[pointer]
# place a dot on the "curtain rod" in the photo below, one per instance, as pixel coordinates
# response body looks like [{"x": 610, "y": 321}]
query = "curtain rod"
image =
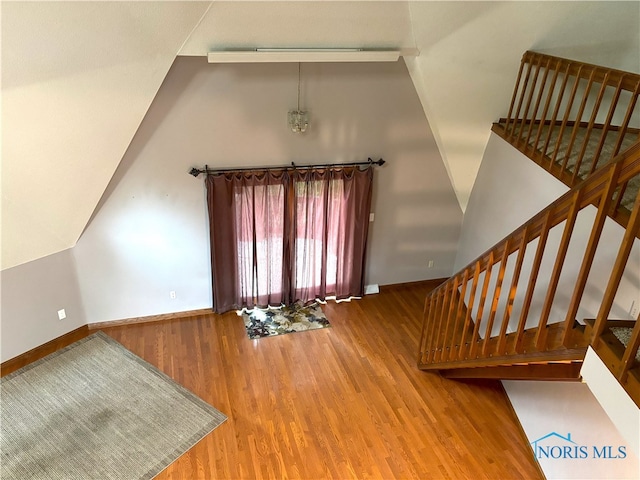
[{"x": 195, "y": 171}]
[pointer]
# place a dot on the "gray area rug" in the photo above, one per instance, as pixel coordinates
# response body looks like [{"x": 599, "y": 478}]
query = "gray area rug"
[{"x": 96, "y": 410}]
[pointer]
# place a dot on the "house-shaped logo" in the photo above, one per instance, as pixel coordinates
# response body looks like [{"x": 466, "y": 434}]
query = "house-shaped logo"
[{"x": 553, "y": 434}]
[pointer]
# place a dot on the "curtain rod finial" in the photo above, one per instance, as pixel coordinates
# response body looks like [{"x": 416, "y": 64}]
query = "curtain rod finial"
[
  {"x": 381, "y": 162},
  {"x": 194, "y": 171}
]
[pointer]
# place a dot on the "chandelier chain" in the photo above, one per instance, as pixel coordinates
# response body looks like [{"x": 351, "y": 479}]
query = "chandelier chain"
[
  {"x": 298, "y": 86},
  {"x": 297, "y": 119}
]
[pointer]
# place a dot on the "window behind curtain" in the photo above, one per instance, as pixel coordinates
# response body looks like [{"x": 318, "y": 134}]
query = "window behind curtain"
[
  {"x": 259, "y": 221},
  {"x": 280, "y": 237}
]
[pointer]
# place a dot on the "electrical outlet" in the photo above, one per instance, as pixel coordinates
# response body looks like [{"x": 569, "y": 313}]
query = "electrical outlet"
[
  {"x": 430, "y": 264},
  {"x": 633, "y": 311},
  {"x": 62, "y": 314},
  {"x": 172, "y": 294}
]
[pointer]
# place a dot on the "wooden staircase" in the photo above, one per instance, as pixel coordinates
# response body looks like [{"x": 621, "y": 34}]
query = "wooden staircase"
[
  {"x": 567, "y": 370},
  {"x": 571, "y": 118},
  {"x": 503, "y": 315}
]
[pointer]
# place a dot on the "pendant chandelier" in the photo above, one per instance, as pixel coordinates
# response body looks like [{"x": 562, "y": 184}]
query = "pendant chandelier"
[{"x": 298, "y": 119}]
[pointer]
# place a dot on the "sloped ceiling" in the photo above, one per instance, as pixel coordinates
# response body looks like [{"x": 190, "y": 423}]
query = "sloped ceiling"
[
  {"x": 78, "y": 77},
  {"x": 302, "y": 24},
  {"x": 77, "y": 80},
  {"x": 470, "y": 54}
]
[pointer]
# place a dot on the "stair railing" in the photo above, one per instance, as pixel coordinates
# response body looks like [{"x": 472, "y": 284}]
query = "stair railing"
[
  {"x": 572, "y": 117},
  {"x": 483, "y": 315}
]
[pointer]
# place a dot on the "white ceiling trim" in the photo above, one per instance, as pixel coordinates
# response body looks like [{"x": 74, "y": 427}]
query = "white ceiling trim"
[{"x": 299, "y": 55}]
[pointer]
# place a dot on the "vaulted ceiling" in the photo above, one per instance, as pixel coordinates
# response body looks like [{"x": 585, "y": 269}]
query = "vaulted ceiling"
[{"x": 78, "y": 78}]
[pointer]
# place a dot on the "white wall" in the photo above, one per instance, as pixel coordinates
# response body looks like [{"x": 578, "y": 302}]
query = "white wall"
[
  {"x": 509, "y": 190},
  {"x": 149, "y": 235},
  {"x": 604, "y": 386},
  {"x": 570, "y": 408},
  {"x": 32, "y": 294}
]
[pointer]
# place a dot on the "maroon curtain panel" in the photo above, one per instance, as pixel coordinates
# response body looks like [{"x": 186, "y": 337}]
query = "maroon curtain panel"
[{"x": 278, "y": 237}]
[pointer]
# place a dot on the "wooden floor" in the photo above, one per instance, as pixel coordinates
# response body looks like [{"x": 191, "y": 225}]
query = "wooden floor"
[{"x": 342, "y": 402}]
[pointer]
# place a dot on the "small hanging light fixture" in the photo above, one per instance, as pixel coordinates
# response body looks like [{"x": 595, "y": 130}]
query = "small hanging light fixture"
[{"x": 298, "y": 119}]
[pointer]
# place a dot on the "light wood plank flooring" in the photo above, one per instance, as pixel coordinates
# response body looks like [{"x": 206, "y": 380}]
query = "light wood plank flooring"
[{"x": 342, "y": 402}]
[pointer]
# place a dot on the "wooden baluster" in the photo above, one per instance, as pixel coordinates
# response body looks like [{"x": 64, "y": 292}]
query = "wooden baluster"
[
  {"x": 522, "y": 95},
  {"x": 592, "y": 121},
  {"x": 525, "y": 114},
  {"x": 462, "y": 354},
  {"x": 565, "y": 118},
  {"x": 453, "y": 303},
  {"x": 428, "y": 322},
  {"x": 483, "y": 297},
  {"x": 541, "y": 334},
  {"x": 630, "y": 352},
  {"x": 533, "y": 278},
  {"x": 630, "y": 234},
  {"x": 556, "y": 110},
  {"x": 522, "y": 247},
  {"x": 618, "y": 202},
  {"x": 423, "y": 331},
  {"x": 607, "y": 125},
  {"x": 515, "y": 93},
  {"x": 543, "y": 120},
  {"x": 627, "y": 119},
  {"x": 459, "y": 309},
  {"x": 604, "y": 205},
  {"x": 446, "y": 304},
  {"x": 576, "y": 126},
  {"x": 543, "y": 85},
  {"x": 496, "y": 297},
  {"x": 433, "y": 327}
]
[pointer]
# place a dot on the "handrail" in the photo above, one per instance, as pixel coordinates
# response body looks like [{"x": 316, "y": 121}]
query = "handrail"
[
  {"x": 470, "y": 320},
  {"x": 572, "y": 117}
]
